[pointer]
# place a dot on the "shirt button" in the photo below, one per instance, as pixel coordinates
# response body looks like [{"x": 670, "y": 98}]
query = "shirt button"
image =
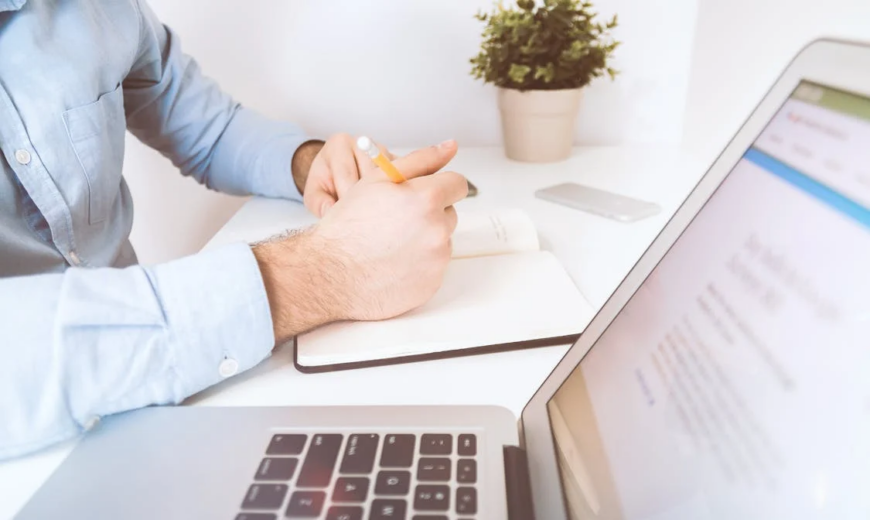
[
  {"x": 22, "y": 156},
  {"x": 228, "y": 367},
  {"x": 92, "y": 422},
  {"x": 74, "y": 258}
]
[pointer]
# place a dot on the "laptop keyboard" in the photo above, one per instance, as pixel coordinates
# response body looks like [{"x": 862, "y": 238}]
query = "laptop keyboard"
[{"x": 365, "y": 476}]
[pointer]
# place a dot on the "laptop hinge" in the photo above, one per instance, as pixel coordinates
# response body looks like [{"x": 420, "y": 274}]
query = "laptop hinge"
[{"x": 518, "y": 485}]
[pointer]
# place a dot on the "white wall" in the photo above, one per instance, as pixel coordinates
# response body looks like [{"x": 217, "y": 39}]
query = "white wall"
[
  {"x": 394, "y": 69},
  {"x": 742, "y": 46}
]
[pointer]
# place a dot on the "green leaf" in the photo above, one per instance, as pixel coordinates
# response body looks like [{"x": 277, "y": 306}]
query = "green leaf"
[
  {"x": 518, "y": 73},
  {"x": 526, "y": 5},
  {"x": 546, "y": 73}
]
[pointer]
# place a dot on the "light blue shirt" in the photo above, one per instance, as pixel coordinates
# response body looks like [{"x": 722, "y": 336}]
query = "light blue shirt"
[{"x": 84, "y": 331}]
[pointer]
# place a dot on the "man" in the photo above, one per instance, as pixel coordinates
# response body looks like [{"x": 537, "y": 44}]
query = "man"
[{"x": 84, "y": 331}]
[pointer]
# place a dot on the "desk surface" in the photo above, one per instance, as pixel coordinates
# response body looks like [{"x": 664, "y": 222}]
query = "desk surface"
[{"x": 597, "y": 253}]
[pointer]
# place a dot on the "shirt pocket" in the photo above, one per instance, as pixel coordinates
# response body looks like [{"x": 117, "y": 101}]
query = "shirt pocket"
[{"x": 96, "y": 131}]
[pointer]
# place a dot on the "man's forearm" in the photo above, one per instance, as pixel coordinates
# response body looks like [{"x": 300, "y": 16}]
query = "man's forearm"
[
  {"x": 172, "y": 107},
  {"x": 159, "y": 333},
  {"x": 302, "y": 159}
]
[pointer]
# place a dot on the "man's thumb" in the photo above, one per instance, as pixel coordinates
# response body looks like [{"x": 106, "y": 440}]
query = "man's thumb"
[{"x": 426, "y": 161}]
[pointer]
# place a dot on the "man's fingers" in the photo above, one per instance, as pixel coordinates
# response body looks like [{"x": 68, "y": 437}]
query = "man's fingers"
[
  {"x": 344, "y": 169},
  {"x": 318, "y": 201},
  {"x": 446, "y": 188},
  {"x": 452, "y": 218},
  {"x": 426, "y": 161}
]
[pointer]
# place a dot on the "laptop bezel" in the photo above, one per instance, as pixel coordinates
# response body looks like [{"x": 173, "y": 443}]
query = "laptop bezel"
[{"x": 829, "y": 62}]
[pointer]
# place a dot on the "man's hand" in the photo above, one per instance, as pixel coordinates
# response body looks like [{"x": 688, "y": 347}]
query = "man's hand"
[
  {"x": 324, "y": 172},
  {"x": 381, "y": 251}
]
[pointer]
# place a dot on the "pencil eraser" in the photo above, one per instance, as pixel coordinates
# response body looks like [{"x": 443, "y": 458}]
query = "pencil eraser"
[{"x": 364, "y": 143}]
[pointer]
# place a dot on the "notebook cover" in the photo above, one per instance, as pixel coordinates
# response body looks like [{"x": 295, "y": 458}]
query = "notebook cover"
[{"x": 486, "y": 349}]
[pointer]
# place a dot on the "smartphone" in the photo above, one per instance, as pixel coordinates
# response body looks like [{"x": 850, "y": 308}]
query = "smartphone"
[{"x": 599, "y": 202}]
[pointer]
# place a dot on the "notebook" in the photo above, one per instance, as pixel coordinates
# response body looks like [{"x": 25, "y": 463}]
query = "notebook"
[{"x": 500, "y": 292}]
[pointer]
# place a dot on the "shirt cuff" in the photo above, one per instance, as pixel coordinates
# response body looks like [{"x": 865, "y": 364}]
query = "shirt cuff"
[
  {"x": 256, "y": 152},
  {"x": 223, "y": 329}
]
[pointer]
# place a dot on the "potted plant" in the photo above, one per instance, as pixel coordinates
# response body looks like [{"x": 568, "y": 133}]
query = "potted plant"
[{"x": 540, "y": 58}]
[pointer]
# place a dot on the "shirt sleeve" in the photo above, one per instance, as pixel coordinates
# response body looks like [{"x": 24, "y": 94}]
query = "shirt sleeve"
[
  {"x": 172, "y": 107},
  {"x": 93, "y": 342}
]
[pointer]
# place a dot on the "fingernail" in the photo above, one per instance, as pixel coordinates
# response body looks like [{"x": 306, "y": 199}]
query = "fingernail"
[{"x": 447, "y": 144}]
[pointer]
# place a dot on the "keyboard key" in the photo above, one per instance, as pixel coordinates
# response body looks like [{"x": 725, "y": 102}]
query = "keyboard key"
[
  {"x": 393, "y": 483},
  {"x": 265, "y": 496},
  {"x": 276, "y": 468},
  {"x": 320, "y": 460},
  {"x": 359, "y": 455},
  {"x": 432, "y": 498},
  {"x": 467, "y": 445},
  {"x": 305, "y": 504},
  {"x": 398, "y": 451},
  {"x": 349, "y": 489},
  {"x": 256, "y": 516},
  {"x": 466, "y": 500},
  {"x": 466, "y": 471},
  {"x": 430, "y": 517},
  {"x": 433, "y": 469},
  {"x": 344, "y": 513},
  {"x": 287, "y": 444},
  {"x": 388, "y": 510},
  {"x": 436, "y": 444}
]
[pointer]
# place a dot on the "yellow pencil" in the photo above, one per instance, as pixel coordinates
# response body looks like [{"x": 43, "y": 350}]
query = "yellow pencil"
[{"x": 366, "y": 145}]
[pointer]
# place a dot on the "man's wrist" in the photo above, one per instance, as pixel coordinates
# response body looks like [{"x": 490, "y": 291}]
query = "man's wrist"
[
  {"x": 303, "y": 283},
  {"x": 300, "y": 165}
]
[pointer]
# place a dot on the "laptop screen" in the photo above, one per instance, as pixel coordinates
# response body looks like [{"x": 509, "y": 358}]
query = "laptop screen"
[{"x": 736, "y": 381}]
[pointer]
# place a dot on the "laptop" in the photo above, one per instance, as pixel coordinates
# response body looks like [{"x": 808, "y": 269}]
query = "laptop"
[{"x": 727, "y": 377}]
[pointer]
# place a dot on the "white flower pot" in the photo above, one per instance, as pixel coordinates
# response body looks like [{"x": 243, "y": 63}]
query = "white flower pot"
[{"x": 538, "y": 125}]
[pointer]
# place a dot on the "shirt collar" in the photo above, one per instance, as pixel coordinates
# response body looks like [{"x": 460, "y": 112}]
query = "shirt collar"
[{"x": 11, "y": 5}]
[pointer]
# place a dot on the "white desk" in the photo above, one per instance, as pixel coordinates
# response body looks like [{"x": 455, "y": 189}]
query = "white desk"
[{"x": 597, "y": 252}]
